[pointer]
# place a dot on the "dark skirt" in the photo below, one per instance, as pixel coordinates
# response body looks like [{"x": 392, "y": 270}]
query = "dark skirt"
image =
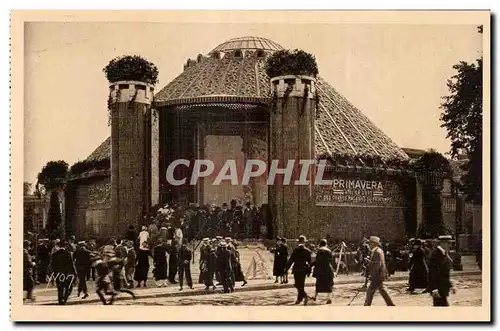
[
  {"x": 418, "y": 276},
  {"x": 279, "y": 267},
  {"x": 238, "y": 273},
  {"x": 324, "y": 284},
  {"x": 142, "y": 268},
  {"x": 160, "y": 271}
]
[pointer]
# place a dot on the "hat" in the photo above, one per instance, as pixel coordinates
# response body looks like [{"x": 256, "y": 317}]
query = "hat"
[
  {"x": 81, "y": 242},
  {"x": 411, "y": 239},
  {"x": 302, "y": 239},
  {"x": 228, "y": 239},
  {"x": 223, "y": 244},
  {"x": 219, "y": 237},
  {"x": 445, "y": 238},
  {"x": 206, "y": 239},
  {"x": 374, "y": 240}
]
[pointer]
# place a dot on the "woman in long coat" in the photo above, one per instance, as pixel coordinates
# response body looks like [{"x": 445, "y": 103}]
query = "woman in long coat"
[
  {"x": 160, "y": 262},
  {"x": 418, "y": 268},
  {"x": 280, "y": 260},
  {"x": 323, "y": 271},
  {"x": 142, "y": 267}
]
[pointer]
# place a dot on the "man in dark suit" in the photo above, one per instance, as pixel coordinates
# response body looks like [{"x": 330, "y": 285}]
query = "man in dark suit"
[
  {"x": 64, "y": 272},
  {"x": 82, "y": 265},
  {"x": 301, "y": 261},
  {"x": 185, "y": 256},
  {"x": 440, "y": 264},
  {"x": 377, "y": 271}
]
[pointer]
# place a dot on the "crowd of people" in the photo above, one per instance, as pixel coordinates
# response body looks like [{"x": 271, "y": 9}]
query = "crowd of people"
[
  {"x": 228, "y": 220},
  {"x": 429, "y": 268},
  {"x": 120, "y": 265}
]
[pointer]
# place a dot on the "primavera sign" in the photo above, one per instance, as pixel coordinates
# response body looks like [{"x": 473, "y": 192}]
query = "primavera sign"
[{"x": 359, "y": 192}]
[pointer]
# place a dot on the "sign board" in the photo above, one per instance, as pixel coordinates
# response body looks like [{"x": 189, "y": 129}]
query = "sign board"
[{"x": 360, "y": 193}]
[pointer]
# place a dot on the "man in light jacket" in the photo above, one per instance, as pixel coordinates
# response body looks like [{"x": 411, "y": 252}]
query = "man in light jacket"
[{"x": 377, "y": 273}]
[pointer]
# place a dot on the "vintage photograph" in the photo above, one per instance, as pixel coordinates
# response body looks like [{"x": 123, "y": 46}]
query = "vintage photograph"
[{"x": 281, "y": 160}]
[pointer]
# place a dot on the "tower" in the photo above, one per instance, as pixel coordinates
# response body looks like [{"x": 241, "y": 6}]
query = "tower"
[
  {"x": 131, "y": 123},
  {"x": 292, "y": 139}
]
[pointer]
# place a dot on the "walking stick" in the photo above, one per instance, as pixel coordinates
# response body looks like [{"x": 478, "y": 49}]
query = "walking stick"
[{"x": 354, "y": 297}]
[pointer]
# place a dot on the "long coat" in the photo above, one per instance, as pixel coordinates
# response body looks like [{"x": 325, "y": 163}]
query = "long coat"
[
  {"x": 301, "y": 260},
  {"x": 440, "y": 265},
  {"x": 280, "y": 260},
  {"x": 323, "y": 270},
  {"x": 142, "y": 267},
  {"x": 160, "y": 261},
  {"x": 418, "y": 269}
]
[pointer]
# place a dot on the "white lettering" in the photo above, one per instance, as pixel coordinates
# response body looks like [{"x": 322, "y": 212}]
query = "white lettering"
[
  {"x": 170, "y": 172},
  {"x": 248, "y": 173},
  {"x": 232, "y": 176},
  {"x": 286, "y": 171},
  {"x": 319, "y": 174},
  {"x": 306, "y": 165},
  {"x": 197, "y": 173}
]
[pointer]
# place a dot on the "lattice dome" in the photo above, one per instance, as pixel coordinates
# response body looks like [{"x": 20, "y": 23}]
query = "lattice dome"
[{"x": 234, "y": 72}]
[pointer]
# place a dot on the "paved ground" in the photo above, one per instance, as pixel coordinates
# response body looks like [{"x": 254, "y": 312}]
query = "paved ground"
[
  {"x": 47, "y": 294},
  {"x": 468, "y": 294}
]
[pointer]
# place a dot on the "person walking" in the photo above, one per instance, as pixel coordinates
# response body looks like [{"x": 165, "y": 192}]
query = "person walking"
[
  {"x": 130, "y": 264},
  {"x": 142, "y": 267},
  {"x": 185, "y": 256},
  {"x": 323, "y": 271},
  {"x": 64, "y": 271},
  {"x": 82, "y": 265},
  {"x": 440, "y": 264},
  {"x": 377, "y": 273},
  {"x": 280, "y": 260},
  {"x": 28, "y": 264},
  {"x": 418, "y": 268},
  {"x": 160, "y": 263},
  {"x": 301, "y": 261}
]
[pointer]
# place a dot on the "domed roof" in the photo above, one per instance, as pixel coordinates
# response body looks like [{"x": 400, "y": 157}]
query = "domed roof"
[
  {"x": 244, "y": 43},
  {"x": 234, "y": 72}
]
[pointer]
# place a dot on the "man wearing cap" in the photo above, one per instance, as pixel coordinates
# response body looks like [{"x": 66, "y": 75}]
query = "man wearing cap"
[
  {"x": 82, "y": 265},
  {"x": 377, "y": 273},
  {"x": 43, "y": 260},
  {"x": 185, "y": 256},
  {"x": 204, "y": 257},
  {"x": 440, "y": 264},
  {"x": 224, "y": 266},
  {"x": 301, "y": 261}
]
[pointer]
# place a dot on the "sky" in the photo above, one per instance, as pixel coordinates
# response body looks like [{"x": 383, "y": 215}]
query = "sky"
[{"x": 394, "y": 73}]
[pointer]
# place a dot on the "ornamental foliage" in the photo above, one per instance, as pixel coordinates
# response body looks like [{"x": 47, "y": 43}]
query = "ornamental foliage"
[
  {"x": 463, "y": 119},
  {"x": 84, "y": 166},
  {"x": 291, "y": 62},
  {"x": 53, "y": 175},
  {"x": 131, "y": 67},
  {"x": 431, "y": 170}
]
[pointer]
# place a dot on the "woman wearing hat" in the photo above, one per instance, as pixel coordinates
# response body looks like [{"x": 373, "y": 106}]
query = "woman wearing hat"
[
  {"x": 323, "y": 271},
  {"x": 440, "y": 264},
  {"x": 280, "y": 260},
  {"x": 418, "y": 267},
  {"x": 142, "y": 267}
]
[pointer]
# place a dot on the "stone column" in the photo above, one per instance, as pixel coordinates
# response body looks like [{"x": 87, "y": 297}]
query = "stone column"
[
  {"x": 292, "y": 138},
  {"x": 130, "y": 191}
]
